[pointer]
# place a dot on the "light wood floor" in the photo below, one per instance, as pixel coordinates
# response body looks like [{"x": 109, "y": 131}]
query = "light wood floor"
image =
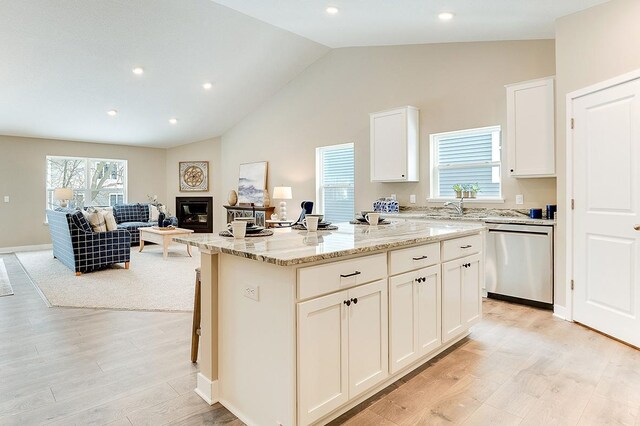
[{"x": 519, "y": 366}]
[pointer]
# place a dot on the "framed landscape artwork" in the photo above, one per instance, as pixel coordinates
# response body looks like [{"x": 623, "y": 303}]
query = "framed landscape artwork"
[
  {"x": 194, "y": 176},
  {"x": 252, "y": 183}
]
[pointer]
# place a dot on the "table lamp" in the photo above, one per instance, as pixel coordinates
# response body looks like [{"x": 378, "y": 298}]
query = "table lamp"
[
  {"x": 282, "y": 193},
  {"x": 63, "y": 195}
]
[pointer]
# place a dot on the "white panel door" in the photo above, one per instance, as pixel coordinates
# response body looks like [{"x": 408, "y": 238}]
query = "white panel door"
[
  {"x": 452, "y": 323},
  {"x": 403, "y": 320},
  {"x": 606, "y": 189},
  {"x": 428, "y": 301},
  {"x": 322, "y": 356},
  {"x": 389, "y": 146},
  {"x": 368, "y": 337},
  {"x": 471, "y": 297}
]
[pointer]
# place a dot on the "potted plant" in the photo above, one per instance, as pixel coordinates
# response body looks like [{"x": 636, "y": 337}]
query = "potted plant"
[
  {"x": 458, "y": 190},
  {"x": 466, "y": 190},
  {"x": 474, "y": 188}
]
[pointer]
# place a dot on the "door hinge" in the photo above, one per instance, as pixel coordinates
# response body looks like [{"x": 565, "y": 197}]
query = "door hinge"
[
  {"x": 573, "y": 123},
  {"x": 571, "y": 284},
  {"x": 573, "y": 204}
]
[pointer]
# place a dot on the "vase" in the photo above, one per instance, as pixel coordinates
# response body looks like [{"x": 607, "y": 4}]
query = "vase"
[
  {"x": 166, "y": 223},
  {"x": 232, "y": 199},
  {"x": 458, "y": 194},
  {"x": 161, "y": 217}
]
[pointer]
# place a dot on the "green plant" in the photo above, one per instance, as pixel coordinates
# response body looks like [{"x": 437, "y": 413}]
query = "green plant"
[
  {"x": 458, "y": 188},
  {"x": 474, "y": 187},
  {"x": 466, "y": 187}
]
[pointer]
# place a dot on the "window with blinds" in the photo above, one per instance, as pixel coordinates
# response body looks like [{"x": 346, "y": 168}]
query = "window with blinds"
[
  {"x": 335, "y": 177},
  {"x": 466, "y": 157}
]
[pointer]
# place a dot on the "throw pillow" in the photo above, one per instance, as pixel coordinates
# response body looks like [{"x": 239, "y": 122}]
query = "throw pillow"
[
  {"x": 96, "y": 220},
  {"x": 109, "y": 219},
  {"x": 153, "y": 213}
]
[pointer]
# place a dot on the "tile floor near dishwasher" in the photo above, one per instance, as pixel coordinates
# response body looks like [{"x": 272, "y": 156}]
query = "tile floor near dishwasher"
[{"x": 88, "y": 366}]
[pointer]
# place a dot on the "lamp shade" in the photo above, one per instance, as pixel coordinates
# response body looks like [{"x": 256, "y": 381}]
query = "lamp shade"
[
  {"x": 63, "y": 193},
  {"x": 282, "y": 193}
]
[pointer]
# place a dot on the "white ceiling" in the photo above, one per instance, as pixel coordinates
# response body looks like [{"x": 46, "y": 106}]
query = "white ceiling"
[
  {"x": 389, "y": 22},
  {"x": 64, "y": 63}
]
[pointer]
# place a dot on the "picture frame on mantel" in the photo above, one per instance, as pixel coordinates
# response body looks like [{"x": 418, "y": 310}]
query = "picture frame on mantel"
[
  {"x": 252, "y": 183},
  {"x": 193, "y": 176}
]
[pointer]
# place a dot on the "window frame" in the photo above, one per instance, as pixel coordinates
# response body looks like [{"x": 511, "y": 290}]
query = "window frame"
[
  {"x": 434, "y": 167},
  {"x": 86, "y": 191},
  {"x": 320, "y": 175}
]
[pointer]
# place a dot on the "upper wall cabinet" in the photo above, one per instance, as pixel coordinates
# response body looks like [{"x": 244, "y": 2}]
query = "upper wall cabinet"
[
  {"x": 530, "y": 129},
  {"x": 394, "y": 145}
]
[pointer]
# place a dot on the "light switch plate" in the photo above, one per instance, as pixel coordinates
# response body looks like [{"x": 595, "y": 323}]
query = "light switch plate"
[
  {"x": 519, "y": 199},
  {"x": 6, "y": 198},
  {"x": 412, "y": 198}
]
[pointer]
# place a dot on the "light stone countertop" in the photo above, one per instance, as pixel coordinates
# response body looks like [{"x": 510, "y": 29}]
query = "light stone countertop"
[
  {"x": 471, "y": 215},
  {"x": 288, "y": 247}
]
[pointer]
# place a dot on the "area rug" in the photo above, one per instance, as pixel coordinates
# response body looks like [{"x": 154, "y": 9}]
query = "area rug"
[
  {"x": 151, "y": 282},
  {"x": 5, "y": 285}
]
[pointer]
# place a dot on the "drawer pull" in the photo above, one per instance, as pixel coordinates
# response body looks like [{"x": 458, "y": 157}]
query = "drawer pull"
[
  {"x": 354, "y": 300},
  {"x": 420, "y": 257},
  {"x": 466, "y": 247},
  {"x": 347, "y": 302},
  {"x": 350, "y": 275}
]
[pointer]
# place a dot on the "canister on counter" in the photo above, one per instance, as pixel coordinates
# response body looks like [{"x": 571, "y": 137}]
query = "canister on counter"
[
  {"x": 551, "y": 210},
  {"x": 535, "y": 213}
]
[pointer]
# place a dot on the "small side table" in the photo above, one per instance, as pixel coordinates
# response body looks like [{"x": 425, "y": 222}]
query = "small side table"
[{"x": 278, "y": 223}]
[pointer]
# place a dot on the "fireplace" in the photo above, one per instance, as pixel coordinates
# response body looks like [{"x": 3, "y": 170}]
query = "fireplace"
[{"x": 195, "y": 213}]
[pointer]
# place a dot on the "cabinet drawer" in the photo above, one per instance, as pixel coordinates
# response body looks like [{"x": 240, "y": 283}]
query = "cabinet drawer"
[
  {"x": 453, "y": 249},
  {"x": 411, "y": 258},
  {"x": 330, "y": 277}
]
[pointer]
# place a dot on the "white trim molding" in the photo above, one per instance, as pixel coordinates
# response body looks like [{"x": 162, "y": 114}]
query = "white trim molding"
[
  {"x": 5, "y": 250},
  {"x": 207, "y": 389},
  {"x": 560, "y": 312}
]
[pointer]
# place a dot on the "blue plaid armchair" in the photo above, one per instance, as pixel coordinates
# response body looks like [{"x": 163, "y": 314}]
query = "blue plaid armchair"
[{"x": 82, "y": 250}]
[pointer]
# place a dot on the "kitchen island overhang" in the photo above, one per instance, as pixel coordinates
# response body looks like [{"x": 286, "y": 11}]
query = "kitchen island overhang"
[{"x": 299, "y": 327}]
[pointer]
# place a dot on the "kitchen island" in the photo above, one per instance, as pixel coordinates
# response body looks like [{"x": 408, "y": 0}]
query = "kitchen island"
[{"x": 298, "y": 327}]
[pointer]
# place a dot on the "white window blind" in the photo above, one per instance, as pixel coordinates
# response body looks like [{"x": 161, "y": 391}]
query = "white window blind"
[
  {"x": 335, "y": 182},
  {"x": 95, "y": 181},
  {"x": 466, "y": 157}
]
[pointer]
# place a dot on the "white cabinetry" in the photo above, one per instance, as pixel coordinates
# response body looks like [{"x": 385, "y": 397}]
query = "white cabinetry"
[
  {"x": 343, "y": 347},
  {"x": 530, "y": 128},
  {"x": 414, "y": 328},
  {"x": 395, "y": 145},
  {"x": 461, "y": 299}
]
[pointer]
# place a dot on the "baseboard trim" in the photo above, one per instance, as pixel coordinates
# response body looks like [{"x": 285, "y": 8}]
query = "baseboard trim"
[
  {"x": 239, "y": 414},
  {"x": 560, "y": 312},
  {"x": 5, "y": 250},
  {"x": 207, "y": 389}
]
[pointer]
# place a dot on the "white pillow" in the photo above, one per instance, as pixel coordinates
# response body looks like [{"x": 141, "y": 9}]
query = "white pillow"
[
  {"x": 95, "y": 219},
  {"x": 153, "y": 213},
  {"x": 109, "y": 219}
]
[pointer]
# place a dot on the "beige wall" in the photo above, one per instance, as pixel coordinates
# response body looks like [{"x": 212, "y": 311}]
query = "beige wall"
[
  {"x": 591, "y": 46},
  {"x": 207, "y": 150},
  {"x": 23, "y": 179},
  {"x": 456, "y": 86}
]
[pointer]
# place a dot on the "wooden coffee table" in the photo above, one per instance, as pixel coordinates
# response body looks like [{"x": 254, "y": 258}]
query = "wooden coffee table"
[{"x": 163, "y": 237}]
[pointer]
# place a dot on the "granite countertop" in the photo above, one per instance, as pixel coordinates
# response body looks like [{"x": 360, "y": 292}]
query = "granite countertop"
[
  {"x": 513, "y": 216},
  {"x": 288, "y": 247}
]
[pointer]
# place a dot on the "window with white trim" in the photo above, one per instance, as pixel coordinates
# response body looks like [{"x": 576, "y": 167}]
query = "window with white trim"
[
  {"x": 95, "y": 181},
  {"x": 335, "y": 177},
  {"x": 466, "y": 157}
]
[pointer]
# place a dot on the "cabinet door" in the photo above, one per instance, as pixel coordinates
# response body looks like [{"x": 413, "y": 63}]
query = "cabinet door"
[
  {"x": 530, "y": 128},
  {"x": 452, "y": 324},
  {"x": 389, "y": 146},
  {"x": 322, "y": 356},
  {"x": 368, "y": 337},
  {"x": 403, "y": 320},
  {"x": 471, "y": 293},
  {"x": 428, "y": 302}
]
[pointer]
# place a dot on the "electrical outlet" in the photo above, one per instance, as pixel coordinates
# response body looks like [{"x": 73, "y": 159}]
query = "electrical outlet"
[
  {"x": 393, "y": 197},
  {"x": 6, "y": 198},
  {"x": 519, "y": 199},
  {"x": 252, "y": 292},
  {"x": 412, "y": 198}
]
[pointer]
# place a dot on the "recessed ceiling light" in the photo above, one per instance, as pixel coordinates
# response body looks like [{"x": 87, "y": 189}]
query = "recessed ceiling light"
[
  {"x": 332, "y": 10},
  {"x": 207, "y": 86},
  {"x": 112, "y": 112},
  {"x": 173, "y": 121},
  {"x": 445, "y": 16},
  {"x": 138, "y": 70}
]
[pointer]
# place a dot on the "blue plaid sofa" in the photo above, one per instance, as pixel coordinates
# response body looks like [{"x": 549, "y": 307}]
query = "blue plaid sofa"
[
  {"x": 82, "y": 250},
  {"x": 134, "y": 216}
]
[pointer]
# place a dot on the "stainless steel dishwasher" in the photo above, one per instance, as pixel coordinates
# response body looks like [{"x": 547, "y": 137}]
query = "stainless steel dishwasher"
[{"x": 519, "y": 263}]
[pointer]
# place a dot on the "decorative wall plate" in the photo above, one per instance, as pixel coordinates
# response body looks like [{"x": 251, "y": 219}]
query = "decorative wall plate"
[{"x": 194, "y": 176}]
